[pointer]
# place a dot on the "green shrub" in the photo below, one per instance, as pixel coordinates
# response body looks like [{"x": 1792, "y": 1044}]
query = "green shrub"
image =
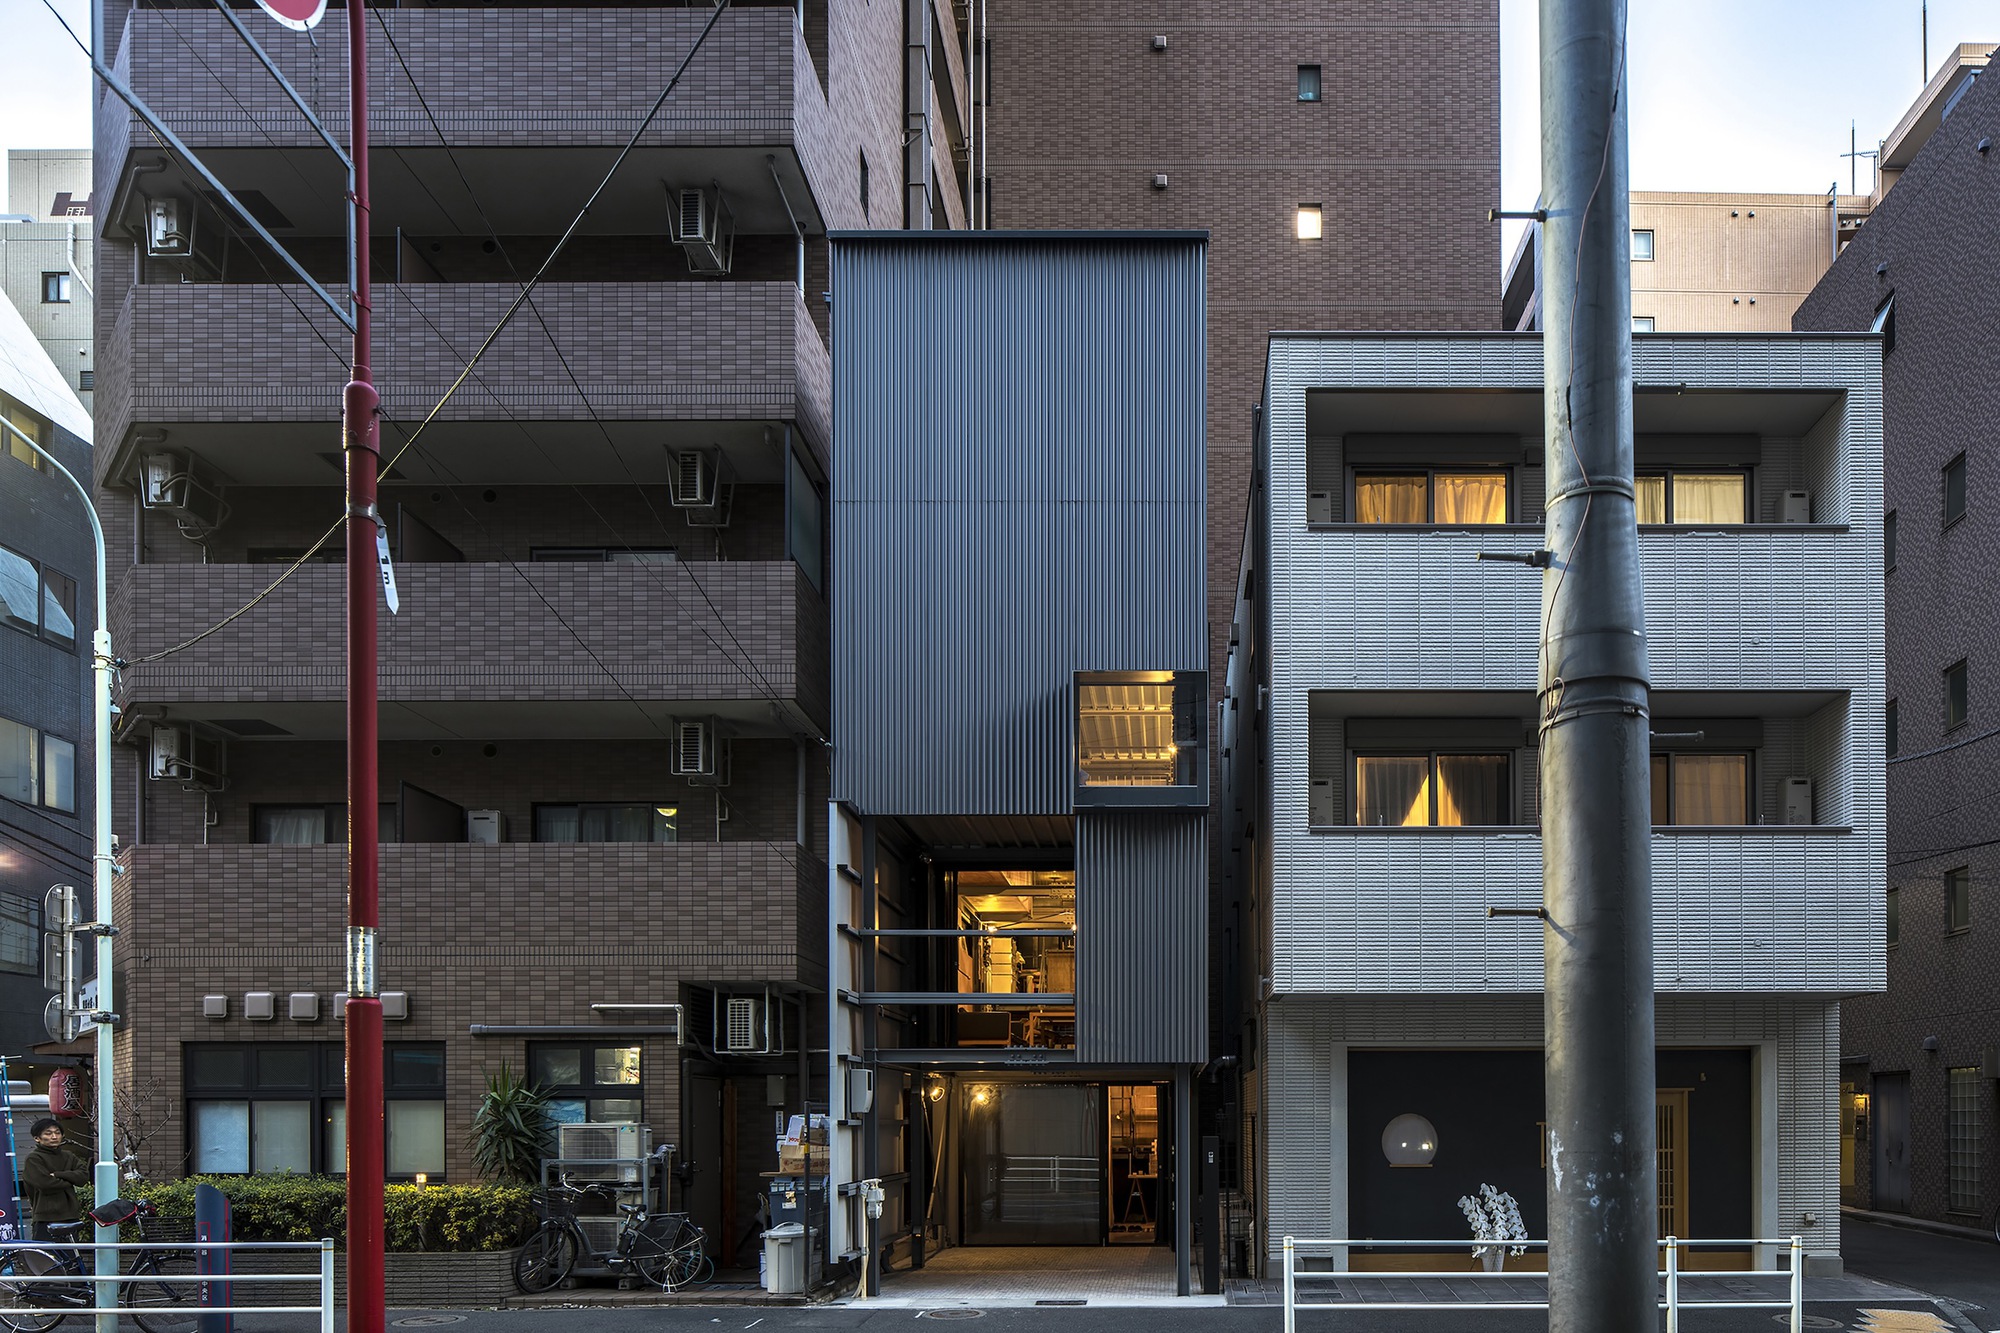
[
  {"x": 285, "y": 1206},
  {"x": 510, "y": 1131}
]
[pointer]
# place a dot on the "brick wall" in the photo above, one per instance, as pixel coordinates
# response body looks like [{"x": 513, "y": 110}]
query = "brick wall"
[{"x": 1934, "y": 244}]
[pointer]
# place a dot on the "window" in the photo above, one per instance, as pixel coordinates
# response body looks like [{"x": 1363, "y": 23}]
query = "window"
[
  {"x": 1954, "y": 695},
  {"x": 1642, "y": 246},
  {"x": 1889, "y": 540},
  {"x": 1966, "y": 1090},
  {"x": 602, "y": 821},
  {"x": 1884, "y": 323},
  {"x": 1308, "y": 222},
  {"x": 997, "y": 960},
  {"x": 1642, "y": 323},
  {"x": 1701, "y": 790},
  {"x": 281, "y": 1107},
  {"x": 1453, "y": 498},
  {"x": 86, "y": 380},
  {"x": 1892, "y": 919},
  {"x": 1958, "y": 899},
  {"x": 36, "y": 599},
  {"x": 29, "y": 425},
  {"x": 1138, "y": 732},
  {"x": 1309, "y": 89},
  {"x": 37, "y": 768},
  {"x": 311, "y": 825},
  {"x": 1890, "y": 738},
  {"x": 55, "y": 289},
  {"x": 589, "y": 1084},
  {"x": 1954, "y": 490},
  {"x": 20, "y": 935},
  {"x": 1708, "y": 499},
  {"x": 1439, "y": 790}
]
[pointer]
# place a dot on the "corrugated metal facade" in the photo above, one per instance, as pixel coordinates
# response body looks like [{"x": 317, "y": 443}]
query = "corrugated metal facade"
[
  {"x": 1018, "y": 495},
  {"x": 1142, "y": 937}
]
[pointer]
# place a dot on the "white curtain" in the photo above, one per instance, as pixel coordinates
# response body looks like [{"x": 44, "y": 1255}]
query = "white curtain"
[
  {"x": 1652, "y": 497},
  {"x": 1471, "y": 498},
  {"x": 292, "y": 825},
  {"x": 1718, "y": 498},
  {"x": 1389, "y": 500},
  {"x": 1711, "y": 789},
  {"x": 1472, "y": 789},
  {"x": 1392, "y": 790}
]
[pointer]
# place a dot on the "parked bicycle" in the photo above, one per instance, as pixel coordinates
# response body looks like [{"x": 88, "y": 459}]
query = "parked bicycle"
[
  {"x": 665, "y": 1250},
  {"x": 51, "y": 1281}
]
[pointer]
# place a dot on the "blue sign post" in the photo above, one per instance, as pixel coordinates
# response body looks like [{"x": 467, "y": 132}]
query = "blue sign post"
[{"x": 211, "y": 1226}]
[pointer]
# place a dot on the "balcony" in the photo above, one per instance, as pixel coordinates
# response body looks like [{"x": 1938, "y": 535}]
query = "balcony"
[
  {"x": 648, "y": 914},
  {"x": 529, "y": 99},
  {"x": 566, "y": 649},
  {"x": 1780, "y": 607},
  {"x": 250, "y": 381},
  {"x": 1400, "y": 911}
]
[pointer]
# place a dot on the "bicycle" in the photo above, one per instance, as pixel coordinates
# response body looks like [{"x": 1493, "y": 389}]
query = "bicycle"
[
  {"x": 665, "y": 1250},
  {"x": 56, "y": 1280}
]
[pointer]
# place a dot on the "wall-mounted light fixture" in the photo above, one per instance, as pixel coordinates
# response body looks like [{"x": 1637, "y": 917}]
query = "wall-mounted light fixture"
[
  {"x": 1409, "y": 1140},
  {"x": 1309, "y": 222},
  {"x": 982, "y": 1095}
]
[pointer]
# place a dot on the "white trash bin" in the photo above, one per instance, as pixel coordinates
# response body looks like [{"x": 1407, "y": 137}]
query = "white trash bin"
[{"x": 785, "y": 1260}]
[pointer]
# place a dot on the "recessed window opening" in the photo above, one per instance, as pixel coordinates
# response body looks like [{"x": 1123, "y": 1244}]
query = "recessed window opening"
[
  {"x": 37, "y": 768},
  {"x": 36, "y": 599},
  {"x": 604, "y": 821},
  {"x": 1958, "y": 899},
  {"x": 589, "y": 1083},
  {"x": 1642, "y": 323},
  {"x": 1954, "y": 490},
  {"x": 1439, "y": 497},
  {"x": 55, "y": 289},
  {"x": 254, "y": 1108},
  {"x": 1884, "y": 323},
  {"x": 1701, "y": 790},
  {"x": 1431, "y": 790},
  {"x": 1892, "y": 918},
  {"x": 1309, "y": 83},
  {"x": 1706, "y": 499},
  {"x": 1890, "y": 730},
  {"x": 1642, "y": 246},
  {"x": 1002, "y": 959},
  {"x": 1138, "y": 728},
  {"x": 1308, "y": 222},
  {"x": 1956, "y": 695},
  {"x": 1889, "y": 540},
  {"x": 29, "y": 425}
]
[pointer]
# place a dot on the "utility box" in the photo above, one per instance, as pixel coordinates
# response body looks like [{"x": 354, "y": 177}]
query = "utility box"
[
  {"x": 483, "y": 826},
  {"x": 1798, "y": 801},
  {"x": 785, "y": 1260}
]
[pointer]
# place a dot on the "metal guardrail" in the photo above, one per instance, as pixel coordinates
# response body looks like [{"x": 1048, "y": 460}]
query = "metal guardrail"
[
  {"x": 195, "y": 1282},
  {"x": 1671, "y": 1300}
]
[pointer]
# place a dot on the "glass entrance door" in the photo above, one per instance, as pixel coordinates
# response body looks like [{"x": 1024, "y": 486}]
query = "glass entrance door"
[{"x": 1033, "y": 1156}]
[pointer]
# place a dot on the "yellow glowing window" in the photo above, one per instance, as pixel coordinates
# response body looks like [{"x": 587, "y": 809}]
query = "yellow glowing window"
[
  {"x": 1457, "y": 498},
  {"x": 1309, "y": 222},
  {"x": 1711, "y": 499},
  {"x": 1138, "y": 728},
  {"x": 1421, "y": 790}
]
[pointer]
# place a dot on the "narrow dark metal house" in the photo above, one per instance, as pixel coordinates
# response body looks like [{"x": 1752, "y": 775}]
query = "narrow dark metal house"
[{"x": 1020, "y": 771}]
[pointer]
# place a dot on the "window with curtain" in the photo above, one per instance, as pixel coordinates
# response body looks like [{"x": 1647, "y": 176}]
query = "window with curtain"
[
  {"x": 1430, "y": 790},
  {"x": 605, "y": 821},
  {"x": 1456, "y": 498},
  {"x": 289, "y": 825},
  {"x": 1701, "y": 790},
  {"x": 280, "y": 1106},
  {"x": 1709, "y": 499}
]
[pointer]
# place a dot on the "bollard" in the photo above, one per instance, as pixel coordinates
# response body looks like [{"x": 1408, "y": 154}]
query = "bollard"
[
  {"x": 1291, "y": 1296},
  {"x": 1673, "y": 1286},
  {"x": 1799, "y": 1283}
]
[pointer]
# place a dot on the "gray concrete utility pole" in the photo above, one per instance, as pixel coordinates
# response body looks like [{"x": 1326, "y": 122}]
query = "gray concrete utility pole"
[{"x": 1596, "y": 797}]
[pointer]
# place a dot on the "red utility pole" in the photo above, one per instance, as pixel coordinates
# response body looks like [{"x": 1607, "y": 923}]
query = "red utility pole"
[{"x": 361, "y": 444}]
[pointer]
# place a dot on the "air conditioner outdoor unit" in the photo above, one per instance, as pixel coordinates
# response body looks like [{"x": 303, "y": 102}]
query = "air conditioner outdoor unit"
[
  {"x": 174, "y": 233},
  {"x": 749, "y": 1025},
  {"x": 694, "y": 479},
  {"x": 702, "y": 226},
  {"x": 168, "y": 482},
  {"x": 179, "y": 753},
  {"x": 700, "y": 755},
  {"x": 618, "y": 1149},
  {"x": 1797, "y": 507}
]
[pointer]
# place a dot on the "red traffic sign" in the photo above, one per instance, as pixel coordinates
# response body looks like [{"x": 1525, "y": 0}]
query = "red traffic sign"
[{"x": 298, "y": 15}]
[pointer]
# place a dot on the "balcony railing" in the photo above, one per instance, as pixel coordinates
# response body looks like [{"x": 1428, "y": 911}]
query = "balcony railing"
[{"x": 695, "y": 632}]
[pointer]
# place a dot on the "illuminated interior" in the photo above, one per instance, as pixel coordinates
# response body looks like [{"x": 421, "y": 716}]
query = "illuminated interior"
[
  {"x": 1003, "y": 959},
  {"x": 1137, "y": 728}
]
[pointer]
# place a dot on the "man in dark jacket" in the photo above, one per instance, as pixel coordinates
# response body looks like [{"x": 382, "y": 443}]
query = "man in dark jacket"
[{"x": 49, "y": 1178}]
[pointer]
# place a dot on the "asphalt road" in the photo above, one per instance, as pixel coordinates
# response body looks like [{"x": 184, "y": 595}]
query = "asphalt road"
[{"x": 1966, "y": 1272}]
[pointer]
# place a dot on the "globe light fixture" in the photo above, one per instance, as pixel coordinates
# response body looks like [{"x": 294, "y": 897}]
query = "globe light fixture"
[{"x": 1409, "y": 1140}]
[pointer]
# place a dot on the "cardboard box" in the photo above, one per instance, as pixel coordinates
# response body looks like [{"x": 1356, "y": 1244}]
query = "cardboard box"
[{"x": 793, "y": 1161}]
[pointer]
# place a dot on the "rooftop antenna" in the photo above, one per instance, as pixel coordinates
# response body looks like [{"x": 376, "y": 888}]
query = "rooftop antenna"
[{"x": 1854, "y": 156}]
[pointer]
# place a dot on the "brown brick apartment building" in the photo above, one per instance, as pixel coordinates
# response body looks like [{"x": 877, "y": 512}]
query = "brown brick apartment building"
[
  {"x": 1920, "y": 1131},
  {"x": 605, "y": 694}
]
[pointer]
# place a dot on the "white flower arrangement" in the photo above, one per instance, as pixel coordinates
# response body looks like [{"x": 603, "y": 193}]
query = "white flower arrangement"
[{"x": 1494, "y": 1216}]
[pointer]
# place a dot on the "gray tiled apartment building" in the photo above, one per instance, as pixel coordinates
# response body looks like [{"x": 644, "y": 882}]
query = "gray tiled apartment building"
[
  {"x": 1920, "y": 1126},
  {"x": 605, "y": 694}
]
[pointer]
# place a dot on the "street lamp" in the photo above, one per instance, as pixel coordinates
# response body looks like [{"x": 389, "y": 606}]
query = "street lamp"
[{"x": 105, "y": 1174}]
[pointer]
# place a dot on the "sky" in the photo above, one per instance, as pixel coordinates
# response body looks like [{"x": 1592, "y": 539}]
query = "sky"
[{"x": 1749, "y": 95}]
